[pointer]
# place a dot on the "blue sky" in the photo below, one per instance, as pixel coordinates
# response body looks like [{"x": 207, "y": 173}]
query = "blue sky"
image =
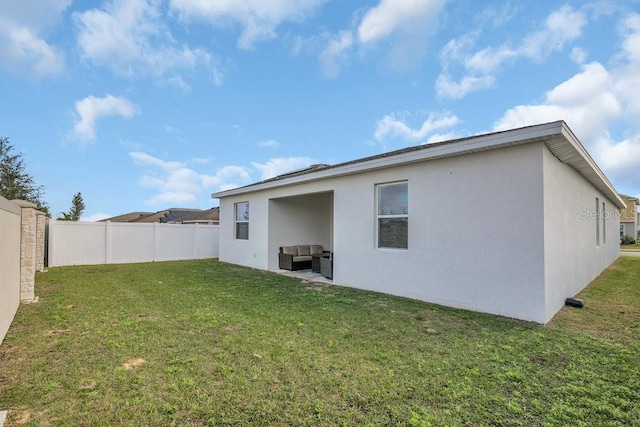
[{"x": 149, "y": 104}]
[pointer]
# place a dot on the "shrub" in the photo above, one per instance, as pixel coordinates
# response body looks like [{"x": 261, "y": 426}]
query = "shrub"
[{"x": 628, "y": 240}]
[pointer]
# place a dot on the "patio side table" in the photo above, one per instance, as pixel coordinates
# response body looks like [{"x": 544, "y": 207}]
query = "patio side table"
[{"x": 326, "y": 267}]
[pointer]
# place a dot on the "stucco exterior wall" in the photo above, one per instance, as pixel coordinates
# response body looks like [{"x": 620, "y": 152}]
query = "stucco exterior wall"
[
  {"x": 494, "y": 263},
  {"x": 276, "y": 219},
  {"x": 572, "y": 256},
  {"x": 629, "y": 229}
]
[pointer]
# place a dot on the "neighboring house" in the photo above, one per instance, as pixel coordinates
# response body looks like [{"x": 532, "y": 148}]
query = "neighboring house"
[
  {"x": 128, "y": 217},
  {"x": 544, "y": 226},
  {"x": 209, "y": 216},
  {"x": 170, "y": 216},
  {"x": 629, "y": 217}
]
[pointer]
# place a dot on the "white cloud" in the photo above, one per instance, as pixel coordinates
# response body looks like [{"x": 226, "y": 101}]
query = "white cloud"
[
  {"x": 408, "y": 22},
  {"x": 130, "y": 37},
  {"x": 590, "y": 102},
  {"x": 392, "y": 127},
  {"x": 270, "y": 143},
  {"x": 585, "y": 101},
  {"x": 578, "y": 55},
  {"x": 226, "y": 178},
  {"x": 259, "y": 18},
  {"x": 447, "y": 88},
  {"x": 390, "y": 16},
  {"x": 278, "y": 166},
  {"x": 335, "y": 53},
  {"x": 180, "y": 185},
  {"x": 175, "y": 183},
  {"x": 91, "y": 108},
  {"x": 22, "y": 45},
  {"x": 561, "y": 27},
  {"x": 95, "y": 217}
]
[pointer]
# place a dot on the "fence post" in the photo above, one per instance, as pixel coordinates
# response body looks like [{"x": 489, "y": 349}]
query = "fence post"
[
  {"x": 107, "y": 242},
  {"x": 195, "y": 241},
  {"x": 28, "y": 233},
  {"x": 156, "y": 226},
  {"x": 41, "y": 227}
]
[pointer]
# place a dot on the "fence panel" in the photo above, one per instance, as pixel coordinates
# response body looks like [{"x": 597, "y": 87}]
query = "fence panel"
[
  {"x": 76, "y": 243},
  {"x": 175, "y": 241},
  {"x": 207, "y": 241},
  {"x": 10, "y": 224},
  {"x": 83, "y": 243},
  {"x": 130, "y": 242}
]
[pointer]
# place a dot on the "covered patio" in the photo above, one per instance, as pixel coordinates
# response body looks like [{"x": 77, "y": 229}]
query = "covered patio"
[{"x": 305, "y": 219}]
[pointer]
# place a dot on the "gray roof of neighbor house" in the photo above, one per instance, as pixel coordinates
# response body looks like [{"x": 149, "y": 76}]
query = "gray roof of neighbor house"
[
  {"x": 128, "y": 217},
  {"x": 209, "y": 215},
  {"x": 164, "y": 216},
  {"x": 555, "y": 135}
]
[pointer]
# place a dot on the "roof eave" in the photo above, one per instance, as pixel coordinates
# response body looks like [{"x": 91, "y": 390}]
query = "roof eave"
[
  {"x": 468, "y": 145},
  {"x": 555, "y": 135}
]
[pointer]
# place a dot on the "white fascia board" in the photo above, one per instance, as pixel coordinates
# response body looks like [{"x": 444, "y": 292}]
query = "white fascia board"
[
  {"x": 539, "y": 133},
  {"x": 588, "y": 168},
  {"x": 555, "y": 135}
]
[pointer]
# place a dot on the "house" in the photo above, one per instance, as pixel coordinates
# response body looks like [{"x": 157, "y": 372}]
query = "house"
[
  {"x": 545, "y": 224},
  {"x": 170, "y": 216},
  {"x": 629, "y": 217},
  {"x": 209, "y": 216}
]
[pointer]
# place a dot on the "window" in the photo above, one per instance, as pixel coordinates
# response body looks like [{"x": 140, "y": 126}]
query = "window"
[
  {"x": 597, "y": 222},
  {"x": 604, "y": 225},
  {"x": 242, "y": 220},
  {"x": 393, "y": 215}
]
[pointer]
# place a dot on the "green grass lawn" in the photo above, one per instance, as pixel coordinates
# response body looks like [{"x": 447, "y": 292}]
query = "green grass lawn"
[
  {"x": 206, "y": 343},
  {"x": 634, "y": 248}
]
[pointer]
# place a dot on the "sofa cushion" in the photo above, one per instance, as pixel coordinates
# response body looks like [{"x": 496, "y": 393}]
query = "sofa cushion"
[
  {"x": 304, "y": 250},
  {"x": 301, "y": 258},
  {"x": 290, "y": 250},
  {"x": 316, "y": 249}
]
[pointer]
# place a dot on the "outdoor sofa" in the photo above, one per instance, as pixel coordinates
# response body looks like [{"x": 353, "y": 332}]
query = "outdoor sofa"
[{"x": 298, "y": 257}]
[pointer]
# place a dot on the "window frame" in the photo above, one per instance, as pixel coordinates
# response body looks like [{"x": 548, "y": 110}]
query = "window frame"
[
  {"x": 597, "y": 221},
  {"x": 237, "y": 221},
  {"x": 379, "y": 216},
  {"x": 604, "y": 224}
]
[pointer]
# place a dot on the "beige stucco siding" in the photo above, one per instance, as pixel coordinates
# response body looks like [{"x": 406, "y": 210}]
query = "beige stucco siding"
[
  {"x": 630, "y": 212},
  {"x": 10, "y": 224}
]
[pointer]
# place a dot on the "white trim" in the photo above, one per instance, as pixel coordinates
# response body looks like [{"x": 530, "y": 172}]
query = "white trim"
[
  {"x": 556, "y": 135},
  {"x": 236, "y": 221},
  {"x": 379, "y": 216}
]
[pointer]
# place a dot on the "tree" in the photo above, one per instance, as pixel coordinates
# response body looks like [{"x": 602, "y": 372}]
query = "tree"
[
  {"x": 77, "y": 207},
  {"x": 15, "y": 182}
]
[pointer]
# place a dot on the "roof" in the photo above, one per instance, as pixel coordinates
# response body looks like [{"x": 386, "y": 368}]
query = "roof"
[
  {"x": 164, "y": 216},
  {"x": 630, "y": 198},
  {"x": 128, "y": 217},
  {"x": 555, "y": 135},
  {"x": 211, "y": 215}
]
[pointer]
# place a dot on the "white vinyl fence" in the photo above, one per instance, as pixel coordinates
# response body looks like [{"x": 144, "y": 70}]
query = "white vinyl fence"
[
  {"x": 85, "y": 243},
  {"x": 9, "y": 263}
]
